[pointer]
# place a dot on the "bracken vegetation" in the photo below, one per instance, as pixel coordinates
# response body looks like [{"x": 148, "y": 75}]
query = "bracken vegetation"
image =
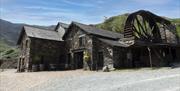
[
  {"x": 7, "y": 52},
  {"x": 116, "y": 23}
]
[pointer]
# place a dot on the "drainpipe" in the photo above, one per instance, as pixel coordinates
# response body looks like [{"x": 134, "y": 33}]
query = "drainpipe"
[{"x": 150, "y": 57}]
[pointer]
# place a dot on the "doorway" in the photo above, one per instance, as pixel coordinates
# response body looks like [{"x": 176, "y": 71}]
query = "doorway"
[
  {"x": 69, "y": 58},
  {"x": 78, "y": 58},
  {"x": 100, "y": 62}
]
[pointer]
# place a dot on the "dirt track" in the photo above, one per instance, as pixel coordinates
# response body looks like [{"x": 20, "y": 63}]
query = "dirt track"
[
  {"x": 164, "y": 79},
  {"x": 12, "y": 81}
]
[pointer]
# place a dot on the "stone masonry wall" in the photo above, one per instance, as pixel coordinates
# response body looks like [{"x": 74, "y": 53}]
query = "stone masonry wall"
[{"x": 51, "y": 52}]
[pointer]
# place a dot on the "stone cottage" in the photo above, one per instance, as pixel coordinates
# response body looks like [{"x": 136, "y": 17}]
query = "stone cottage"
[
  {"x": 41, "y": 49},
  {"x": 91, "y": 48}
]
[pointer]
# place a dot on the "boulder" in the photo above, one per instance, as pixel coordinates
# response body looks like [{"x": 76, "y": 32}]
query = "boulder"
[{"x": 105, "y": 69}]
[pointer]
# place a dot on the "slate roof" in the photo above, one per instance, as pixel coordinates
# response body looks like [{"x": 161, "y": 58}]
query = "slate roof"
[
  {"x": 39, "y": 33},
  {"x": 95, "y": 31},
  {"x": 114, "y": 42},
  {"x": 65, "y": 26}
]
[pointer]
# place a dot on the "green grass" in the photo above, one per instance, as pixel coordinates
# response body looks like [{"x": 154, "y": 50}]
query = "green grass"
[
  {"x": 177, "y": 23},
  {"x": 8, "y": 52},
  {"x": 115, "y": 23}
]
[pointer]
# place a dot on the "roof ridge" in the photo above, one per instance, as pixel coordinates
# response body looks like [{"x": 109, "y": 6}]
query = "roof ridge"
[
  {"x": 39, "y": 28},
  {"x": 31, "y": 26},
  {"x": 62, "y": 23},
  {"x": 95, "y": 27}
]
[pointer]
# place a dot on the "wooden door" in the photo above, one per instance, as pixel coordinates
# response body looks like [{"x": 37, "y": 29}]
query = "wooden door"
[{"x": 100, "y": 62}]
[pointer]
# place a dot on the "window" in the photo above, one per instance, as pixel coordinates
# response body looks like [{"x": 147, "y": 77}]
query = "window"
[
  {"x": 81, "y": 41},
  {"x": 26, "y": 45}
]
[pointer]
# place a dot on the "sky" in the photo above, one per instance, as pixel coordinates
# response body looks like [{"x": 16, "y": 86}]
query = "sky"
[{"x": 49, "y": 12}]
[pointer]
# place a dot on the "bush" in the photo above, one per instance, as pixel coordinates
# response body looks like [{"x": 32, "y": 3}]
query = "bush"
[{"x": 9, "y": 51}]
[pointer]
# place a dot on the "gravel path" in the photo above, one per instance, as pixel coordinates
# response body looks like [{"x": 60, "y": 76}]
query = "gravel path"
[{"x": 164, "y": 79}]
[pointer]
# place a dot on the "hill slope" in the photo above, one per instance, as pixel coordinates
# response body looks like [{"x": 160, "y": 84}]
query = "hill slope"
[
  {"x": 8, "y": 52},
  {"x": 177, "y": 22},
  {"x": 116, "y": 23},
  {"x": 9, "y": 32}
]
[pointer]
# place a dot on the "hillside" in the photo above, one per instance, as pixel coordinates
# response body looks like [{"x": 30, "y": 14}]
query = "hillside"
[
  {"x": 8, "y": 52},
  {"x": 116, "y": 23},
  {"x": 177, "y": 22},
  {"x": 9, "y": 32}
]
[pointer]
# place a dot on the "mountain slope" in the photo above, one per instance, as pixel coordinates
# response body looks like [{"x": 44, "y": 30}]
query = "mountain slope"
[
  {"x": 9, "y": 32},
  {"x": 115, "y": 23}
]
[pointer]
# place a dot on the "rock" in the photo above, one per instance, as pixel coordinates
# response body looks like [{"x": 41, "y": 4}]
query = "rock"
[
  {"x": 175, "y": 65},
  {"x": 112, "y": 69},
  {"x": 105, "y": 69}
]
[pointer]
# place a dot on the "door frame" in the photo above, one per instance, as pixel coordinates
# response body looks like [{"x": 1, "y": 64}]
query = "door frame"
[
  {"x": 100, "y": 61},
  {"x": 76, "y": 59}
]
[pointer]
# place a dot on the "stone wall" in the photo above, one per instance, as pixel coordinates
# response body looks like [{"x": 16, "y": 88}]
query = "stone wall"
[
  {"x": 47, "y": 52},
  {"x": 107, "y": 50},
  {"x": 160, "y": 56},
  {"x": 24, "y": 54},
  {"x": 119, "y": 57},
  {"x": 72, "y": 46},
  {"x": 92, "y": 46}
]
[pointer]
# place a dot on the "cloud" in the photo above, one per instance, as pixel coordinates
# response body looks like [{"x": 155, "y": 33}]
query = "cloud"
[
  {"x": 47, "y": 12},
  {"x": 100, "y": 1},
  {"x": 5, "y": 1},
  {"x": 150, "y": 2},
  {"x": 46, "y": 8},
  {"x": 48, "y": 17},
  {"x": 175, "y": 13},
  {"x": 71, "y": 16},
  {"x": 78, "y": 3}
]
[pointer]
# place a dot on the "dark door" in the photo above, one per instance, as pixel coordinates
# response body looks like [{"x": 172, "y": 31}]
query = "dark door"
[
  {"x": 42, "y": 60},
  {"x": 78, "y": 57},
  {"x": 69, "y": 59},
  {"x": 100, "y": 62}
]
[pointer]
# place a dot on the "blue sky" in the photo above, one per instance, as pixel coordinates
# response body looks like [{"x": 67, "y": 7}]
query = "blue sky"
[{"x": 49, "y": 12}]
